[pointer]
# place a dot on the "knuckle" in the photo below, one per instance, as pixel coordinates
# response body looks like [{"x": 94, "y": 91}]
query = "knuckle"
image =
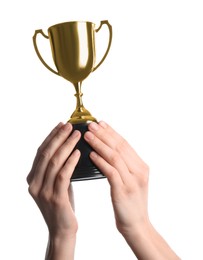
[
  {"x": 53, "y": 162},
  {"x": 44, "y": 153},
  {"x": 62, "y": 176},
  {"x": 55, "y": 201},
  {"x": 44, "y": 195},
  {"x": 65, "y": 174},
  {"x": 70, "y": 144},
  {"x": 144, "y": 176},
  {"x": 39, "y": 150},
  {"x": 121, "y": 145},
  {"x": 113, "y": 173},
  {"x": 28, "y": 178},
  {"x": 114, "y": 158},
  {"x": 61, "y": 133},
  {"x": 33, "y": 191},
  {"x": 146, "y": 170}
]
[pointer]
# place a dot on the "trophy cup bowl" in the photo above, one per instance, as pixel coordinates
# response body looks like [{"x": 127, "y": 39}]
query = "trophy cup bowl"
[{"x": 74, "y": 55}]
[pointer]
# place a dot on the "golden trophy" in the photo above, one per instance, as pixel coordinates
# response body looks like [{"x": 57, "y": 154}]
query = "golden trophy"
[{"x": 74, "y": 55}]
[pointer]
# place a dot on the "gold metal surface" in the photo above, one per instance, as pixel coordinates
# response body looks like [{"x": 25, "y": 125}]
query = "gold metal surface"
[{"x": 74, "y": 55}]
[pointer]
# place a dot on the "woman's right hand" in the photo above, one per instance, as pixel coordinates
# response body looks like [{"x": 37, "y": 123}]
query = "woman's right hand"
[
  {"x": 126, "y": 172},
  {"x": 49, "y": 180},
  {"x": 128, "y": 177}
]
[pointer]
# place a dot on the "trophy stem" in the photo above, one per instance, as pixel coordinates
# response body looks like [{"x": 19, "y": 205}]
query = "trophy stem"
[
  {"x": 81, "y": 114},
  {"x": 78, "y": 96}
]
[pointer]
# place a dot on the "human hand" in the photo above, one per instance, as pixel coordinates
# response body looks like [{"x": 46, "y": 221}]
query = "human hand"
[
  {"x": 128, "y": 176},
  {"x": 49, "y": 180},
  {"x": 126, "y": 173}
]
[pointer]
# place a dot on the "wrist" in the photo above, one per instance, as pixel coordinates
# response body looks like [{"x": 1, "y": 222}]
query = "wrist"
[
  {"x": 141, "y": 232},
  {"x": 140, "y": 240},
  {"x": 136, "y": 228},
  {"x": 147, "y": 243},
  {"x": 62, "y": 234},
  {"x": 62, "y": 237},
  {"x": 61, "y": 246}
]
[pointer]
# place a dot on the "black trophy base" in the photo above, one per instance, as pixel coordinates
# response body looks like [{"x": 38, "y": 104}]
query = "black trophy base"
[{"x": 85, "y": 169}]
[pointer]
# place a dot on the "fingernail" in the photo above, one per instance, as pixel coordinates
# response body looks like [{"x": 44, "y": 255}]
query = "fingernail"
[
  {"x": 93, "y": 155},
  {"x": 59, "y": 125},
  {"x": 75, "y": 133},
  {"x": 94, "y": 126},
  {"x": 77, "y": 152},
  {"x": 67, "y": 126},
  {"x": 103, "y": 124},
  {"x": 89, "y": 136}
]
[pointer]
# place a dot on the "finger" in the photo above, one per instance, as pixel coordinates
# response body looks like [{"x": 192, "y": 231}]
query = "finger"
[
  {"x": 51, "y": 135},
  {"x": 46, "y": 153},
  {"x": 47, "y": 139},
  {"x": 58, "y": 160},
  {"x": 110, "y": 172},
  {"x": 106, "y": 134},
  {"x": 110, "y": 137},
  {"x": 63, "y": 178},
  {"x": 108, "y": 154}
]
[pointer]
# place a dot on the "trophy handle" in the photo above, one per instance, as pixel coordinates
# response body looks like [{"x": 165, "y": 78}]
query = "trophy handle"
[
  {"x": 110, "y": 40},
  {"x": 37, "y": 51}
]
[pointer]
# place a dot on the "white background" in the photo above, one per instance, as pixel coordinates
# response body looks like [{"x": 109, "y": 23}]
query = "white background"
[{"x": 149, "y": 89}]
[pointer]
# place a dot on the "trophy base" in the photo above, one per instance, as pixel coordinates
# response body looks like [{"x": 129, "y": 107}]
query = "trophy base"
[{"x": 85, "y": 169}]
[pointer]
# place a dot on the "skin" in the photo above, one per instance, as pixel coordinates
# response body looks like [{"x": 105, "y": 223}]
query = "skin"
[
  {"x": 128, "y": 177},
  {"x": 49, "y": 185},
  {"x": 127, "y": 174}
]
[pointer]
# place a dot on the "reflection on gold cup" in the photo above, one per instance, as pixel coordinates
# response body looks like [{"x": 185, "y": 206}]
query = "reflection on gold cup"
[
  {"x": 74, "y": 54},
  {"x": 73, "y": 51}
]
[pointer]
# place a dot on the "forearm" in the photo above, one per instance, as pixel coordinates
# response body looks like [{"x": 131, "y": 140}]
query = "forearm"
[
  {"x": 60, "y": 248},
  {"x": 147, "y": 244}
]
